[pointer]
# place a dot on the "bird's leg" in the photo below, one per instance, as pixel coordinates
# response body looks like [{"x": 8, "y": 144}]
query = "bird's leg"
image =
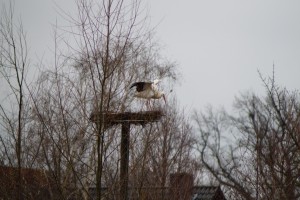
[
  {"x": 143, "y": 104},
  {"x": 153, "y": 104},
  {"x": 148, "y": 104}
]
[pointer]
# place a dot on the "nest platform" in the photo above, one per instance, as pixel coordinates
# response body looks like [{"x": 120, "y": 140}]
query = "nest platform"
[{"x": 137, "y": 118}]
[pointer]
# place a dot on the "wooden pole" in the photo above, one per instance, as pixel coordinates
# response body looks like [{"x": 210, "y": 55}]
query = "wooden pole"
[
  {"x": 126, "y": 119},
  {"x": 124, "y": 160}
]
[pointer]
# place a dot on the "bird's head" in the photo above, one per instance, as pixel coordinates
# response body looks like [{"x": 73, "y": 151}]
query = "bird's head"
[{"x": 158, "y": 95}]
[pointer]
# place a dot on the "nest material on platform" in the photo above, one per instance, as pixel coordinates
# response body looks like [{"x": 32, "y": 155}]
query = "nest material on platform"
[{"x": 139, "y": 118}]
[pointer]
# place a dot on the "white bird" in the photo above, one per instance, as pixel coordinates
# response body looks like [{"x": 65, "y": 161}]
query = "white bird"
[{"x": 148, "y": 90}]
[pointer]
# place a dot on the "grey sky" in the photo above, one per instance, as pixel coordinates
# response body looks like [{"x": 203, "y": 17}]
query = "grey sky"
[{"x": 218, "y": 44}]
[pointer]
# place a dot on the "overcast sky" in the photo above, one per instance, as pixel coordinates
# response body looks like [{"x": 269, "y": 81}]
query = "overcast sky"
[{"x": 219, "y": 45}]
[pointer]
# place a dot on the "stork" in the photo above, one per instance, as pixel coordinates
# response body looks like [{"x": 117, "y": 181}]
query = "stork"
[{"x": 148, "y": 90}]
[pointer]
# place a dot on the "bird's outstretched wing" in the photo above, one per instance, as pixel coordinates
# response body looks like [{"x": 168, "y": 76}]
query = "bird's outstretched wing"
[{"x": 141, "y": 86}]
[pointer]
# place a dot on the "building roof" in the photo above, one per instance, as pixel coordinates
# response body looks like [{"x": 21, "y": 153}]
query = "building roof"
[
  {"x": 34, "y": 181},
  {"x": 208, "y": 193},
  {"x": 163, "y": 193}
]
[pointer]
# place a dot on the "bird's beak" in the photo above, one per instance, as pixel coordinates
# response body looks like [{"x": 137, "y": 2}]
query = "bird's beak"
[{"x": 164, "y": 98}]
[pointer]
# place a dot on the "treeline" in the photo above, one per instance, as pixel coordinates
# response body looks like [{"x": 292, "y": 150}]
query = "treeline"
[
  {"x": 46, "y": 132},
  {"x": 45, "y": 123}
]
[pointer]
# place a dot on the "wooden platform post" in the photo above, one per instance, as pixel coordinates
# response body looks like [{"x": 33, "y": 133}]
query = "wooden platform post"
[
  {"x": 125, "y": 138},
  {"x": 126, "y": 119}
]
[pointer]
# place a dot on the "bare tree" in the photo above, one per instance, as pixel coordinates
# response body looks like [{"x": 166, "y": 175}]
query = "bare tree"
[
  {"x": 255, "y": 152},
  {"x": 161, "y": 149},
  {"x": 13, "y": 66},
  {"x": 112, "y": 49},
  {"x": 110, "y": 31}
]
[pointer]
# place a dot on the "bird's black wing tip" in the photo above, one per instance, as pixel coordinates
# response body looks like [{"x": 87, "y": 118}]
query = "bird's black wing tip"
[{"x": 133, "y": 85}]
